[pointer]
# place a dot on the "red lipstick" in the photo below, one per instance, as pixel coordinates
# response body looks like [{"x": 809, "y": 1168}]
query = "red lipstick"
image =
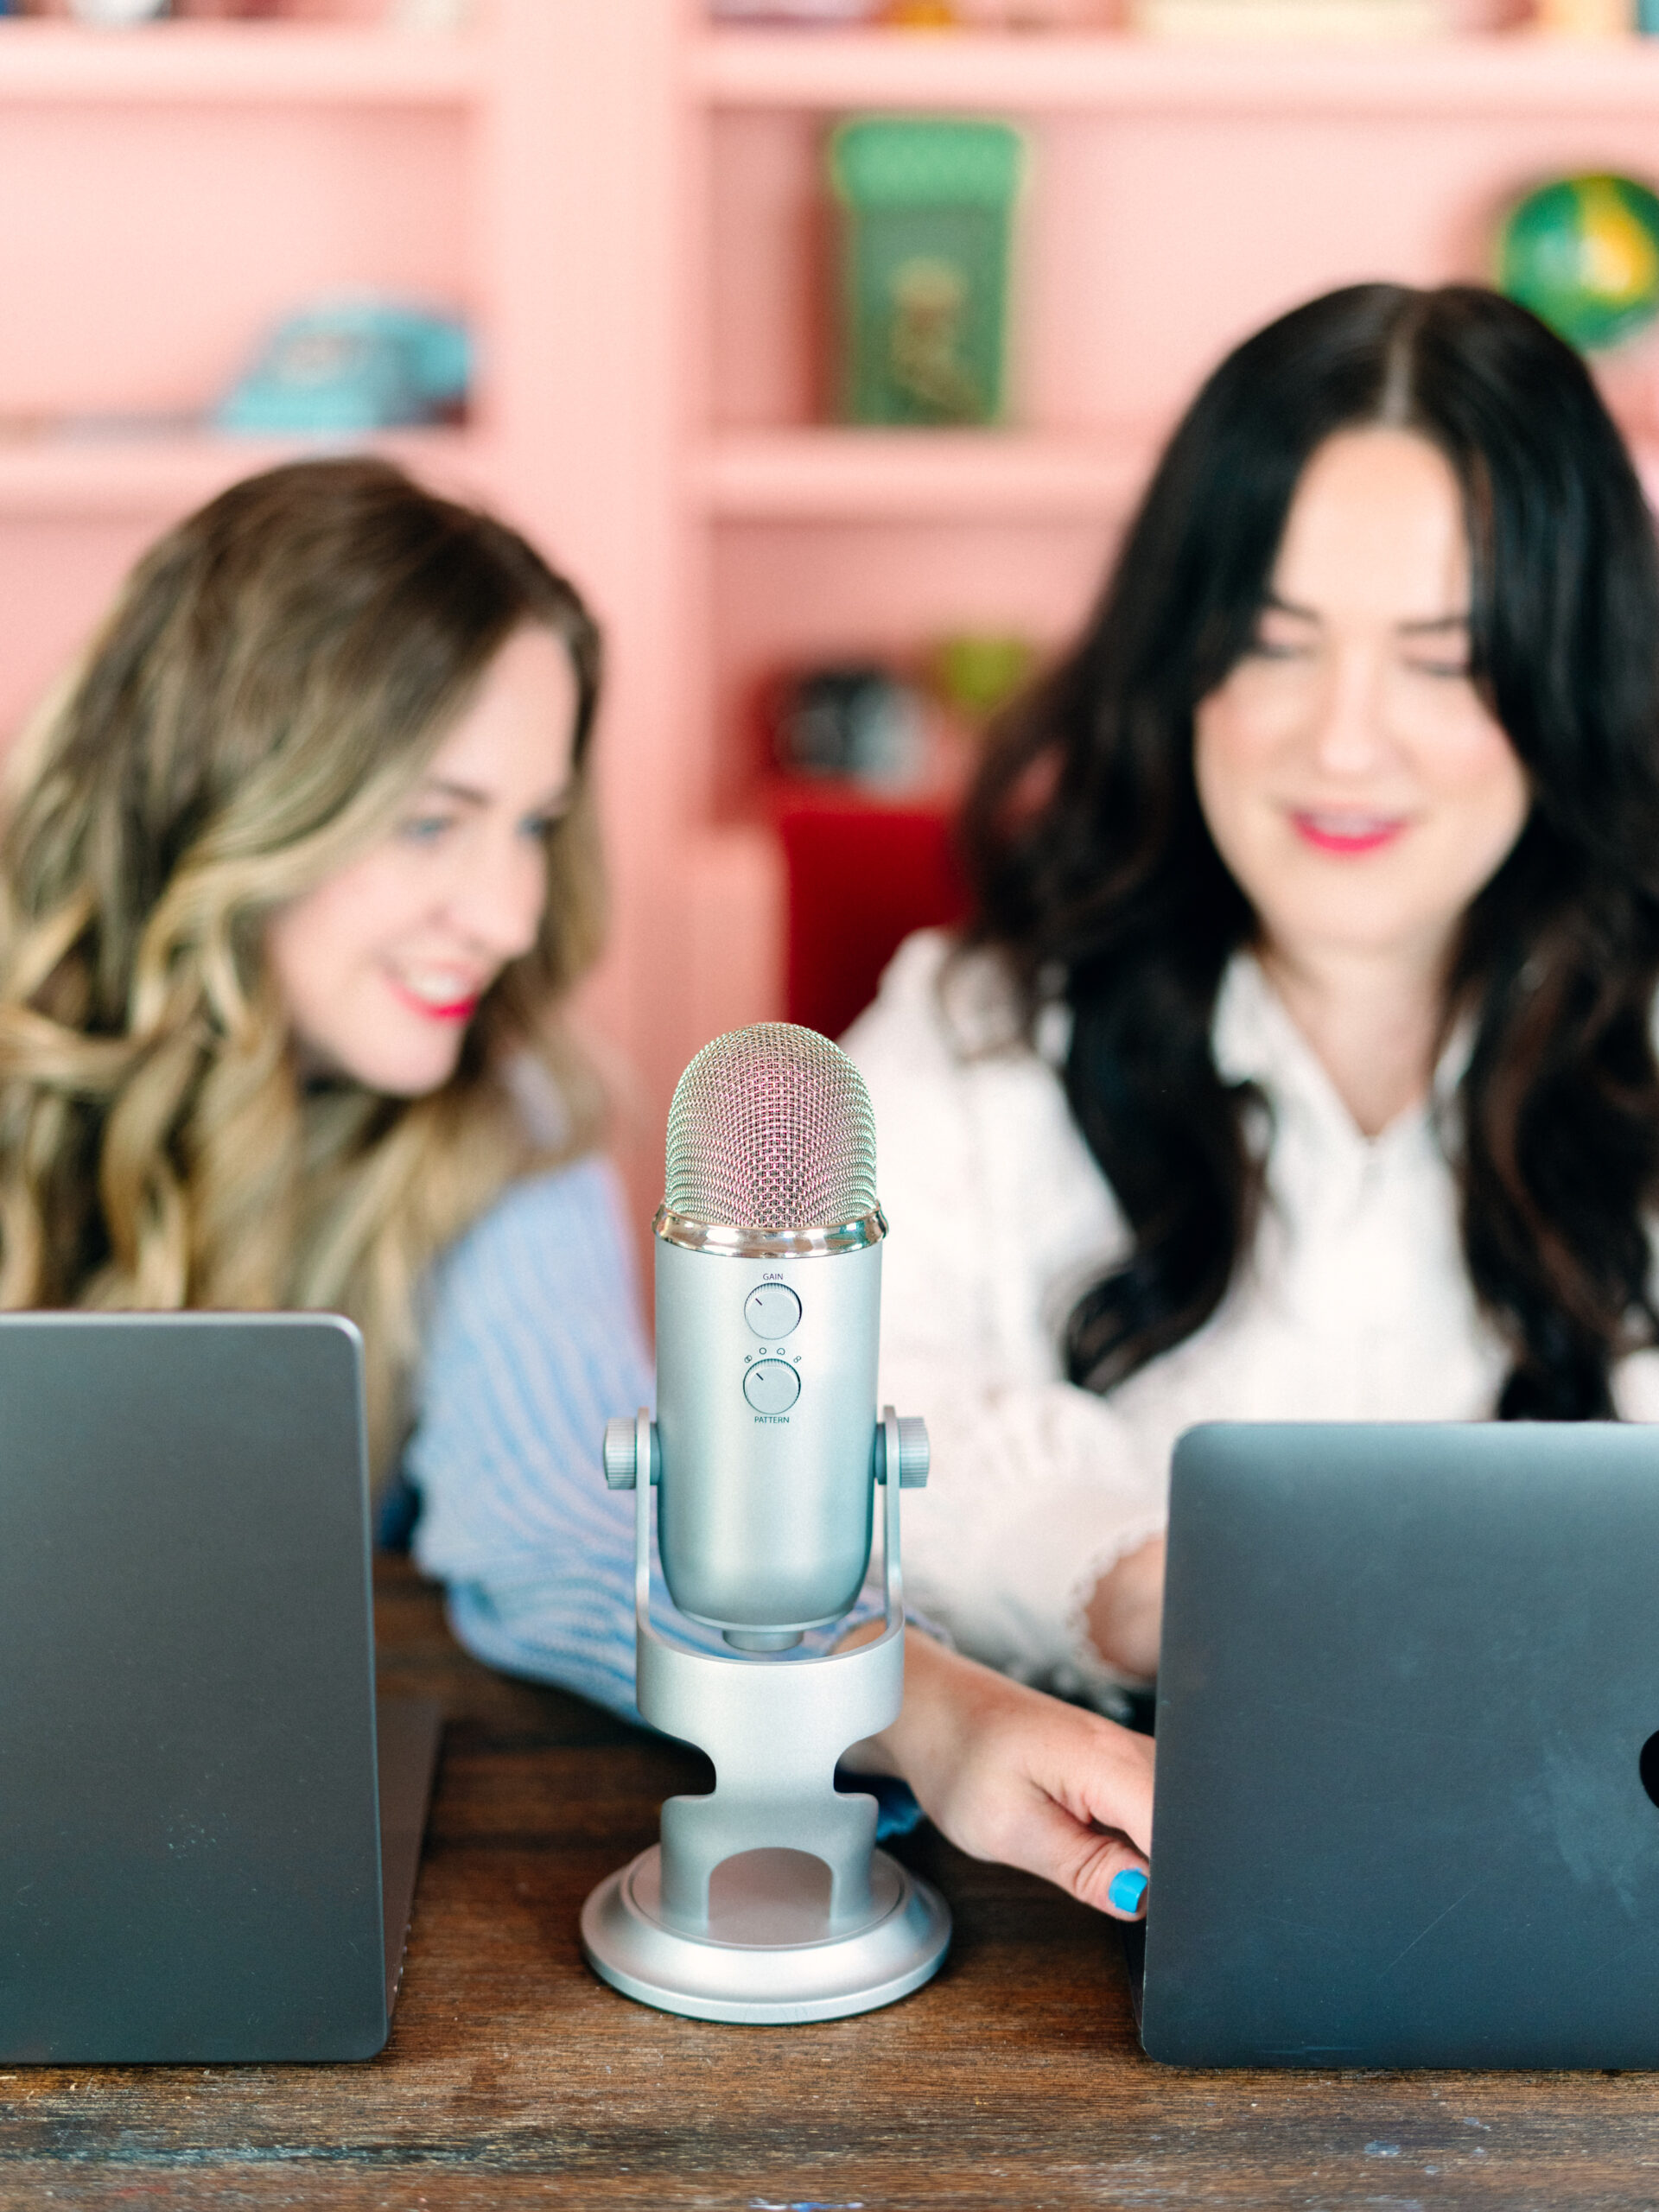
[{"x": 455, "y": 1010}]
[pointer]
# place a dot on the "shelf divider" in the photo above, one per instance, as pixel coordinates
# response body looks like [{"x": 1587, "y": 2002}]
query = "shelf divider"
[
  {"x": 835, "y": 474},
  {"x": 94, "y": 477}
]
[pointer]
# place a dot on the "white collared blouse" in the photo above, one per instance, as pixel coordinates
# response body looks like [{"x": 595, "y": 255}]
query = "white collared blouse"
[{"x": 1354, "y": 1304}]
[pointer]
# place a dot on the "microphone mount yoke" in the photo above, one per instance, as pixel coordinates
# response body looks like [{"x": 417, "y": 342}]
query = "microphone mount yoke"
[
  {"x": 727, "y": 1918},
  {"x": 622, "y": 1454}
]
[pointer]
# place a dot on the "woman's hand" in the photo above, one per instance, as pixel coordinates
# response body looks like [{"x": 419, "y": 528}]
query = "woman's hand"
[
  {"x": 1125, "y": 1613},
  {"x": 1008, "y": 1774}
]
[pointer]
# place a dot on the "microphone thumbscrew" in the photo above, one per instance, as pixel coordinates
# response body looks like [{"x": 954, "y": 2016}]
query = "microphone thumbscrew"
[
  {"x": 913, "y": 1452},
  {"x": 620, "y": 1451}
]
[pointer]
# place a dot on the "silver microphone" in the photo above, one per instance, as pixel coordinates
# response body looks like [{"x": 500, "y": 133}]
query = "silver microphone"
[
  {"x": 765, "y": 1455},
  {"x": 768, "y": 1310}
]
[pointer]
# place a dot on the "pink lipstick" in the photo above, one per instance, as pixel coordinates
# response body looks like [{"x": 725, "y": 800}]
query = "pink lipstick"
[{"x": 1346, "y": 837}]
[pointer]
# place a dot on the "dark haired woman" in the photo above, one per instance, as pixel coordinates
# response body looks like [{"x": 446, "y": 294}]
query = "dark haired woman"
[{"x": 1299, "y": 1061}]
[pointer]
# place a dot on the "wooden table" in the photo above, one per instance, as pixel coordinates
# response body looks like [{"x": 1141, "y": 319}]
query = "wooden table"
[{"x": 514, "y": 2078}]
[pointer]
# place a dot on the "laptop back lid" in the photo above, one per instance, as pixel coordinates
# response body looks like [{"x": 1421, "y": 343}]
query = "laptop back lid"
[
  {"x": 189, "y": 1833},
  {"x": 1407, "y": 1677}
]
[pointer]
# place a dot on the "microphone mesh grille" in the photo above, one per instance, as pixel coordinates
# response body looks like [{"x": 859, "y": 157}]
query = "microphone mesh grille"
[{"x": 771, "y": 1128}]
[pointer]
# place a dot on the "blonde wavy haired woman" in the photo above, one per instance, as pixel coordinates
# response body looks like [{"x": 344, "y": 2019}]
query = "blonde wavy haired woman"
[
  {"x": 298, "y": 867},
  {"x": 265, "y": 705}
]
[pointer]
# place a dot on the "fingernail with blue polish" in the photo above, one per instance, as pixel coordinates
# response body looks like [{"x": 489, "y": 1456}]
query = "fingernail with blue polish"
[{"x": 1126, "y": 1890}]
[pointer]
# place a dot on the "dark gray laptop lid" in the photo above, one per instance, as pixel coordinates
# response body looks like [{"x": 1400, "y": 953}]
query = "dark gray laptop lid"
[
  {"x": 1407, "y": 1675},
  {"x": 189, "y": 1834}
]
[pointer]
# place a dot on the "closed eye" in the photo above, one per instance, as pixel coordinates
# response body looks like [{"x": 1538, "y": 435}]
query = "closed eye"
[
  {"x": 1440, "y": 647},
  {"x": 1283, "y": 632},
  {"x": 1277, "y": 638},
  {"x": 1458, "y": 668}
]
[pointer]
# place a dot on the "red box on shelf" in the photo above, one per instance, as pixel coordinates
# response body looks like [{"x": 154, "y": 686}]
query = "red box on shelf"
[{"x": 861, "y": 875}]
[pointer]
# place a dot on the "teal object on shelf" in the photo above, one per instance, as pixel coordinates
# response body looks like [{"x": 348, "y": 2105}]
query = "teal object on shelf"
[
  {"x": 342, "y": 368},
  {"x": 1583, "y": 254},
  {"x": 926, "y": 213}
]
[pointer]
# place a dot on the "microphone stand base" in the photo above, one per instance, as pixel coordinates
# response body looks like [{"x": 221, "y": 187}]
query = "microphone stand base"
[{"x": 769, "y": 1956}]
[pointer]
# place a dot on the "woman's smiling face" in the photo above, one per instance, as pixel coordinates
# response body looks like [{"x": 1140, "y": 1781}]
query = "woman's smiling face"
[
  {"x": 1354, "y": 782},
  {"x": 382, "y": 966}
]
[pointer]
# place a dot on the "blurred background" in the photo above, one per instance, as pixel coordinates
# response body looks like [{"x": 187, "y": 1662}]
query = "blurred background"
[{"x": 825, "y": 345}]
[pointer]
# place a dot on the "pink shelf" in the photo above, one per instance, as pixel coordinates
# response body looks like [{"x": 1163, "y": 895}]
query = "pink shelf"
[
  {"x": 89, "y": 477},
  {"x": 254, "y": 63},
  {"x": 1515, "y": 75},
  {"x": 855, "y": 476},
  {"x": 835, "y": 475}
]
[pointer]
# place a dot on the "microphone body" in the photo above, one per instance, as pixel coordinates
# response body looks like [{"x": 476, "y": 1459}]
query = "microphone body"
[{"x": 766, "y": 1415}]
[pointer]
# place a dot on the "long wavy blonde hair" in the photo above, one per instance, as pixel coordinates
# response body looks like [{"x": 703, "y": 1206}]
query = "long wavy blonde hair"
[{"x": 267, "y": 691}]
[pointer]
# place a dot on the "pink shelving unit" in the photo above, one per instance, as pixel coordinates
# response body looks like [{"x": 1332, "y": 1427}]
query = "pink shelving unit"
[{"x": 627, "y": 204}]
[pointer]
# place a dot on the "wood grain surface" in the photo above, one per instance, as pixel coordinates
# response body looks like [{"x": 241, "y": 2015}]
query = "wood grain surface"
[{"x": 514, "y": 2078}]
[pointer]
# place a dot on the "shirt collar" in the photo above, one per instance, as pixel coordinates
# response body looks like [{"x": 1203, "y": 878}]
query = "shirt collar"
[{"x": 1254, "y": 1040}]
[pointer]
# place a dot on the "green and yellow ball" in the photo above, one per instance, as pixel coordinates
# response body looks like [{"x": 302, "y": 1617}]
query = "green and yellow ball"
[{"x": 1583, "y": 254}]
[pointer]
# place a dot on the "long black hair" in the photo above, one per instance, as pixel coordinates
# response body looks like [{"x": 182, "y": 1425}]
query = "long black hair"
[{"x": 1092, "y": 864}]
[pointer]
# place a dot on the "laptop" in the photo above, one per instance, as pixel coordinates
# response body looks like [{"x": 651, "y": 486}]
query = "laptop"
[
  {"x": 208, "y": 1838},
  {"x": 1408, "y": 1727}
]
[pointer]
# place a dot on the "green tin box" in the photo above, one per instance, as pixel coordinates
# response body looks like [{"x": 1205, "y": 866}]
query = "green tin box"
[{"x": 926, "y": 210}]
